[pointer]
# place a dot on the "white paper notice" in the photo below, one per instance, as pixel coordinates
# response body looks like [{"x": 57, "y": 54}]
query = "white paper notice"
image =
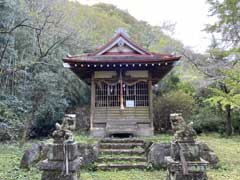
[{"x": 129, "y": 103}]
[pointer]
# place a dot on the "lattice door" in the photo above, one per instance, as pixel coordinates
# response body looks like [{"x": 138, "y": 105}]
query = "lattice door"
[{"x": 108, "y": 94}]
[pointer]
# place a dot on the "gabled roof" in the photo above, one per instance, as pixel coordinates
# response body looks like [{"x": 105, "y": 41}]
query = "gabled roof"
[
  {"x": 120, "y": 40},
  {"x": 121, "y": 49},
  {"x": 121, "y": 53}
]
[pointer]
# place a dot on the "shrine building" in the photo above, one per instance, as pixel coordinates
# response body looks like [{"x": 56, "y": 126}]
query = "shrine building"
[{"x": 121, "y": 75}]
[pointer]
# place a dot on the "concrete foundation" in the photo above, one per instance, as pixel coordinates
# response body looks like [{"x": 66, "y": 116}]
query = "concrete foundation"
[{"x": 136, "y": 132}]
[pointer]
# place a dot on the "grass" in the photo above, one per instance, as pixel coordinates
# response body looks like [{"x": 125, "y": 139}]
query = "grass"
[
  {"x": 119, "y": 156},
  {"x": 124, "y": 175},
  {"x": 228, "y": 150},
  {"x": 10, "y": 157},
  {"x": 159, "y": 138},
  {"x": 85, "y": 139}
]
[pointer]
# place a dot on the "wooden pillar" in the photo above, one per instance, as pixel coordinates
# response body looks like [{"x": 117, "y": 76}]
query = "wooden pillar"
[
  {"x": 121, "y": 91},
  {"x": 150, "y": 97},
  {"x": 92, "y": 101}
]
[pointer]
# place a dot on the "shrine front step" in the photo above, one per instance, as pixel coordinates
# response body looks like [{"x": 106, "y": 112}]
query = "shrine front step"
[
  {"x": 122, "y": 166},
  {"x": 121, "y": 159},
  {"x": 122, "y": 151},
  {"x": 121, "y": 127},
  {"x": 121, "y": 140},
  {"x": 127, "y": 145},
  {"x": 120, "y": 154}
]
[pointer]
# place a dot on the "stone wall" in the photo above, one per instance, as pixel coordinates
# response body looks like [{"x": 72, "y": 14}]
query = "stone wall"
[
  {"x": 89, "y": 153},
  {"x": 38, "y": 152},
  {"x": 157, "y": 152},
  {"x": 207, "y": 154}
]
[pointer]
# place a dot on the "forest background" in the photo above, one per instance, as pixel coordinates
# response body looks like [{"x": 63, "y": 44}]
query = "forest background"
[{"x": 36, "y": 90}]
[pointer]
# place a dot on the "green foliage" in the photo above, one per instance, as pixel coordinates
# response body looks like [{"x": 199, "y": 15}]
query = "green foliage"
[
  {"x": 206, "y": 119},
  {"x": 231, "y": 95},
  {"x": 172, "y": 95},
  {"x": 172, "y": 82},
  {"x": 172, "y": 102},
  {"x": 226, "y": 96},
  {"x": 11, "y": 112},
  {"x": 227, "y": 23},
  {"x": 40, "y": 34},
  {"x": 225, "y": 52}
]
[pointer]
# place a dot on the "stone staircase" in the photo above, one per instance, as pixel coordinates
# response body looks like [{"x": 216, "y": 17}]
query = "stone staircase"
[{"x": 125, "y": 153}]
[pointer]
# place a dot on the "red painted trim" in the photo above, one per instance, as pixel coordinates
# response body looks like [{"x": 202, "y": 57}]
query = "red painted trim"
[
  {"x": 120, "y": 53},
  {"x": 122, "y": 60}
]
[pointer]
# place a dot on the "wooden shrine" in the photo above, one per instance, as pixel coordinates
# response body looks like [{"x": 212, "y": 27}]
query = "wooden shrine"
[{"x": 121, "y": 75}]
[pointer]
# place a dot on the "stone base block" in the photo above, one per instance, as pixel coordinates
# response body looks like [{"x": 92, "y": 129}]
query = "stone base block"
[
  {"x": 190, "y": 176},
  {"x": 47, "y": 165},
  {"x": 157, "y": 153},
  {"x": 55, "y": 152},
  {"x": 58, "y": 175},
  {"x": 191, "y": 151},
  {"x": 197, "y": 166},
  {"x": 195, "y": 170}
]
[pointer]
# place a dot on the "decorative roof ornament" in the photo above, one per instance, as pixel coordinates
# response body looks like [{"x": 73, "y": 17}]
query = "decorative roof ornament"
[
  {"x": 120, "y": 45},
  {"x": 69, "y": 55},
  {"x": 122, "y": 31}
]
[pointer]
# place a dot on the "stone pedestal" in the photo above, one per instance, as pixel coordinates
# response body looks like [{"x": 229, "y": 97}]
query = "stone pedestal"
[
  {"x": 63, "y": 162},
  {"x": 184, "y": 162}
]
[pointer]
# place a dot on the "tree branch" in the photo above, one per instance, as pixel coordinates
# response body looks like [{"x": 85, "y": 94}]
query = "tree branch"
[
  {"x": 15, "y": 27},
  {"x": 54, "y": 45},
  {"x": 4, "y": 50},
  {"x": 191, "y": 60}
]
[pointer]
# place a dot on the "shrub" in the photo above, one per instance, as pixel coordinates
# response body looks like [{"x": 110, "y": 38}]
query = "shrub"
[
  {"x": 11, "y": 115},
  {"x": 206, "y": 119},
  {"x": 45, "y": 118},
  {"x": 172, "y": 102}
]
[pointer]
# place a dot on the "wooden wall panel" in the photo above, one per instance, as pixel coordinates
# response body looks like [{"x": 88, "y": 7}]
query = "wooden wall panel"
[{"x": 137, "y": 114}]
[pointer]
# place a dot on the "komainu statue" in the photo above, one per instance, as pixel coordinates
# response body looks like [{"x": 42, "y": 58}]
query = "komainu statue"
[
  {"x": 184, "y": 162},
  {"x": 62, "y": 132},
  {"x": 183, "y": 131},
  {"x": 63, "y": 160}
]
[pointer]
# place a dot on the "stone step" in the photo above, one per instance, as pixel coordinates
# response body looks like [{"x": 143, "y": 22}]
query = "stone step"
[
  {"x": 128, "y": 159},
  {"x": 121, "y": 140},
  {"x": 121, "y": 130},
  {"x": 120, "y": 145},
  {"x": 121, "y": 166},
  {"x": 122, "y": 151}
]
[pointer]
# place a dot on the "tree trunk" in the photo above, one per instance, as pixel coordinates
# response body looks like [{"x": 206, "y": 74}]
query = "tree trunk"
[
  {"x": 229, "y": 127},
  {"x": 28, "y": 123},
  {"x": 25, "y": 131}
]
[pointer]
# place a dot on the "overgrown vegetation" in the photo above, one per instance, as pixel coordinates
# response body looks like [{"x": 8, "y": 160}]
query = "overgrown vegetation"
[
  {"x": 35, "y": 36},
  {"x": 36, "y": 91},
  {"x": 227, "y": 149}
]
